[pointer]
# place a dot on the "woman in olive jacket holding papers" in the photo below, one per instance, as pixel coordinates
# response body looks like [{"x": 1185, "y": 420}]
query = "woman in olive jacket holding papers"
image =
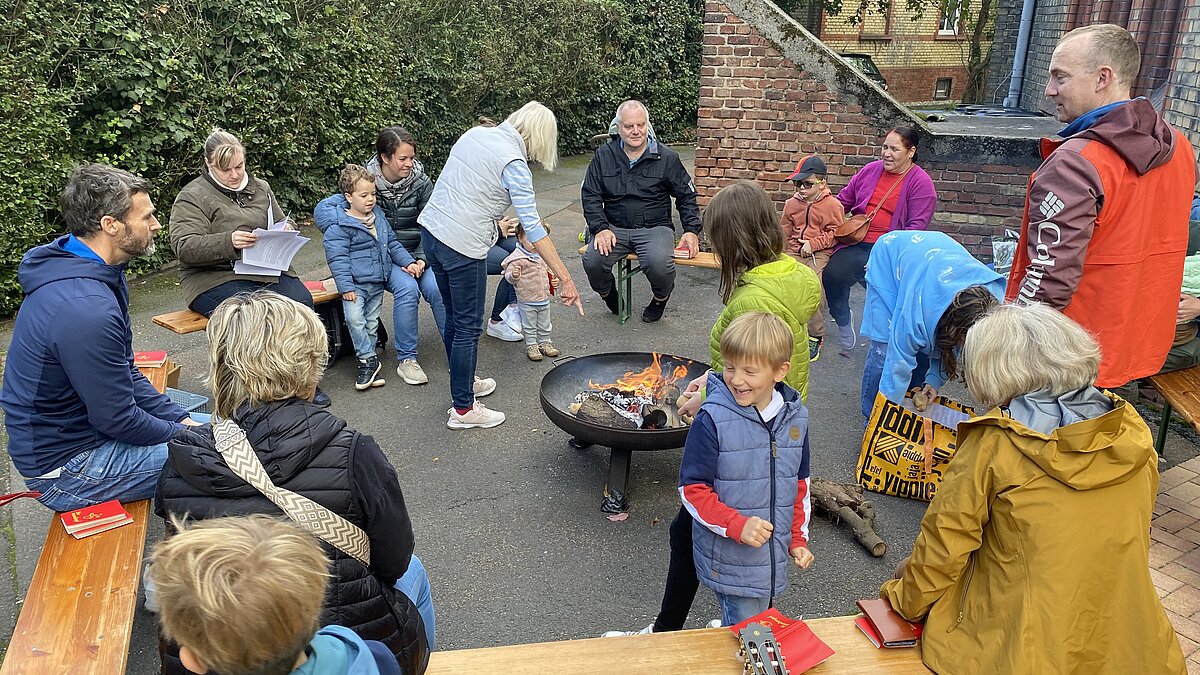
[
  {"x": 213, "y": 221},
  {"x": 1034, "y": 555}
]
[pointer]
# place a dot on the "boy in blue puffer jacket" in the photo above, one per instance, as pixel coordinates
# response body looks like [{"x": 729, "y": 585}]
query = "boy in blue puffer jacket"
[
  {"x": 361, "y": 247},
  {"x": 744, "y": 476}
]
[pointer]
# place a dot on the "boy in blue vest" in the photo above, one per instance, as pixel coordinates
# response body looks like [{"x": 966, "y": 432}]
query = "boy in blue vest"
[{"x": 744, "y": 476}]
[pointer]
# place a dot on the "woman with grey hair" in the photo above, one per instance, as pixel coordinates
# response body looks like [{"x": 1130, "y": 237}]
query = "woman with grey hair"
[
  {"x": 1034, "y": 554},
  {"x": 486, "y": 173}
]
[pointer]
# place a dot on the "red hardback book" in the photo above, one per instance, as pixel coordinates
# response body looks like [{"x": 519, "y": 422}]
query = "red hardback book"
[
  {"x": 315, "y": 285},
  {"x": 149, "y": 359},
  {"x": 884, "y": 627},
  {"x": 94, "y": 519},
  {"x": 801, "y": 648}
]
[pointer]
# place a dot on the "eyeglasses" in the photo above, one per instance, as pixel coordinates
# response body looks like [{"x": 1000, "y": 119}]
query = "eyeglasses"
[{"x": 808, "y": 184}]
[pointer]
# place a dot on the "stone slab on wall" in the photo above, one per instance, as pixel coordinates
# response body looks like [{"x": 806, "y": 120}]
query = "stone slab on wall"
[
  {"x": 1182, "y": 103},
  {"x": 770, "y": 93}
]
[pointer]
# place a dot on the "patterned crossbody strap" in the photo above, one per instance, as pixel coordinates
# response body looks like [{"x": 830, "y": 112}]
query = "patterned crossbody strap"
[{"x": 329, "y": 526}]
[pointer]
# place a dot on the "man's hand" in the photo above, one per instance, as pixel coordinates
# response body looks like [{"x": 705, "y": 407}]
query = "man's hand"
[
  {"x": 690, "y": 241},
  {"x": 243, "y": 239},
  {"x": 756, "y": 532},
  {"x": 802, "y": 557},
  {"x": 604, "y": 241},
  {"x": 1189, "y": 308},
  {"x": 350, "y": 296}
]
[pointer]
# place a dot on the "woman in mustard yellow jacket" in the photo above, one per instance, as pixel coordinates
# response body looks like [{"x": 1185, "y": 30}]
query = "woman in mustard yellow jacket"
[{"x": 1033, "y": 556}]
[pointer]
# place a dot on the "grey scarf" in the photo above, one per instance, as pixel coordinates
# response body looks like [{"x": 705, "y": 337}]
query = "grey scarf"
[{"x": 399, "y": 189}]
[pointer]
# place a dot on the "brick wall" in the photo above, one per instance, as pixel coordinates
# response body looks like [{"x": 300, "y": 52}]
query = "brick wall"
[
  {"x": 1182, "y": 104},
  {"x": 1004, "y": 46},
  {"x": 1049, "y": 23},
  {"x": 771, "y": 92}
]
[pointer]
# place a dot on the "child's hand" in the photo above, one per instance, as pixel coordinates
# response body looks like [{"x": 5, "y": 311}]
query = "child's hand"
[
  {"x": 756, "y": 532},
  {"x": 413, "y": 270},
  {"x": 349, "y": 296},
  {"x": 802, "y": 557},
  {"x": 516, "y": 272},
  {"x": 806, "y": 249}
]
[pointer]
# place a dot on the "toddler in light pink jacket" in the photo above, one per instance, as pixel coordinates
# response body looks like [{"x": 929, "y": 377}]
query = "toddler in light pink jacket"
[{"x": 530, "y": 276}]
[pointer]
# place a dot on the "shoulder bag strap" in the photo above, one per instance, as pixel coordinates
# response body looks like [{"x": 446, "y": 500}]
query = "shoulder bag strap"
[
  {"x": 325, "y": 524},
  {"x": 888, "y": 194}
]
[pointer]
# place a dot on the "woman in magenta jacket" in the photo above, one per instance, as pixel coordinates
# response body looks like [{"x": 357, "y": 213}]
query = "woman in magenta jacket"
[{"x": 908, "y": 206}]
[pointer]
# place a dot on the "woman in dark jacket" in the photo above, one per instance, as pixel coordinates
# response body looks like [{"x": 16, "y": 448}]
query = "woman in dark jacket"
[{"x": 267, "y": 354}]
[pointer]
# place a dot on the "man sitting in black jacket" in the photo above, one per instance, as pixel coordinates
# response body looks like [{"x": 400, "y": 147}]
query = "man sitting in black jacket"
[{"x": 627, "y": 205}]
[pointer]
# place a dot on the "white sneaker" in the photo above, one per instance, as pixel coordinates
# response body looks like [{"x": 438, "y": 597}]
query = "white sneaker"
[
  {"x": 483, "y": 386},
  {"x": 512, "y": 316},
  {"x": 502, "y": 331},
  {"x": 478, "y": 417},
  {"x": 847, "y": 340},
  {"x": 622, "y": 633},
  {"x": 411, "y": 372},
  {"x": 715, "y": 623}
]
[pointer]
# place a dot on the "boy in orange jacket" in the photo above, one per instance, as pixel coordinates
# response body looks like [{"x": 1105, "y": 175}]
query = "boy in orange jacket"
[{"x": 810, "y": 218}]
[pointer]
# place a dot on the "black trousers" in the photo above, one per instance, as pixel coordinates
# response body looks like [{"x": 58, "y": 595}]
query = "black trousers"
[
  {"x": 681, "y": 577},
  {"x": 846, "y": 268}
]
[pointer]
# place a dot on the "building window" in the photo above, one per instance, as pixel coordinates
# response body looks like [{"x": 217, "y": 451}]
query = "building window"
[
  {"x": 948, "y": 24},
  {"x": 941, "y": 88}
]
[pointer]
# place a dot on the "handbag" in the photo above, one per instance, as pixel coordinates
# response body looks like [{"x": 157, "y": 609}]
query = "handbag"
[
  {"x": 904, "y": 453},
  {"x": 328, "y": 526},
  {"x": 855, "y": 227}
]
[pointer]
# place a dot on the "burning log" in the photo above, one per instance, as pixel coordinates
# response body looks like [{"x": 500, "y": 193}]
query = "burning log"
[
  {"x": 598, "y": 411},
  {"x": 845, "y": 503}
]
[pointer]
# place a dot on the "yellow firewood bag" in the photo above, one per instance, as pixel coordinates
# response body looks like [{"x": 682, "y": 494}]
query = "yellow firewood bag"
[{"x": 904, "y": 454}]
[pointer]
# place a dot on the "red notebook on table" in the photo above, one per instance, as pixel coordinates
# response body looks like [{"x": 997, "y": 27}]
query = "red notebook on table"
[
  {"x": 884, "y": 627},
  {"x": 801, "y": 648},
  {"x": 82, "y": 523}
]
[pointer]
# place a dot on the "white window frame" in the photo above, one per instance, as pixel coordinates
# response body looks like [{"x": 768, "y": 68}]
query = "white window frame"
[{"x": 948, "y": 23}]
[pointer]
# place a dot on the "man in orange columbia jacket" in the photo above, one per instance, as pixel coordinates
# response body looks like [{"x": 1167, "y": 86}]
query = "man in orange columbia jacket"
[{"x": 1105, "y": 227}]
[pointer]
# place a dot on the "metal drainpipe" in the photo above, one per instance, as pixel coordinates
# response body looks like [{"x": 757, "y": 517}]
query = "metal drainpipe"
[{"x": 1017, "y": 77}]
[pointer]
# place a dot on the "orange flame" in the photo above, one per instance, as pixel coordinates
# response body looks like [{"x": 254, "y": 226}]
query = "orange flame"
[{"x": 650, "y": 381}]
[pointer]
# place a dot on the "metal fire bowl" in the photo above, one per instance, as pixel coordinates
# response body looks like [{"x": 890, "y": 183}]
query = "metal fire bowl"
[{"x": 570, "y": 376}]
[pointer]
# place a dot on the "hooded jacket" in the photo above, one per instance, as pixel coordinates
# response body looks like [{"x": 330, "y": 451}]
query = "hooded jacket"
[
  {"x": 1104, "y": 234},
  {"x": 533, "y": 286},
  {"x": 912, "y": 277},
  {"x": 308, "y": 450},
  {"x": 355, "y": 255},
  {"x": 69, "y": 380},
  {"x": 736, "y": 466},
  {"x": 786, "y": 289},
  {"x": 335, "y": 650},
  {"x": 814, "y": 222},
  {"x": 203, "y": 219},
  {"x": 1034, "y": 555},
  {"x": 400, "y": 207}
]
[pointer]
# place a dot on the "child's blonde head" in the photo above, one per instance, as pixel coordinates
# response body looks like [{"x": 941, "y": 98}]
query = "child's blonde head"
[
  {"x": 263, "y": 347},
  {"x": 241, "y": 595},
  {"x": 350, "y": 176},
  {"x": 758, "y": 337},
  {"x": 1019, "y": 349}
]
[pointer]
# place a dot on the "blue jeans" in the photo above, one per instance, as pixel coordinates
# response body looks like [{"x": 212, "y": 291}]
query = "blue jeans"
[
  {"x": 407, "y": 293},
  {"x": 362, "y": 318},
  {"x": 505, "y": 293},
  {"x": 463, "y": 284},
  {"x": 736, "y": 609},
  {"x": 112, "y": 470},
  {"x": 873, "y": 372},
  {"x": 415, "y": 585}
]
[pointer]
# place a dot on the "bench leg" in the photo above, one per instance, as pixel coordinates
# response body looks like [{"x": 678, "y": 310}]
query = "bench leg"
[
  {"x": 625, "y": 272},
  {"x": 1161, "y": 441}
]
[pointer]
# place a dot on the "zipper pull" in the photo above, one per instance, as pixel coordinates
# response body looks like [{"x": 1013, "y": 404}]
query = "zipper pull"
[{"x": 774, "y": 447}]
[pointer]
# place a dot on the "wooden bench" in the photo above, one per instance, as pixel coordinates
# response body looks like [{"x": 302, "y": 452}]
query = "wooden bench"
[
  {"x": 78, "y": 611},
  {"x": 186, "y": 321},
  {"x": 710, "y": 651},
  {"x": 1181, "y": 394},
  {"x": 626, "y": 270}
]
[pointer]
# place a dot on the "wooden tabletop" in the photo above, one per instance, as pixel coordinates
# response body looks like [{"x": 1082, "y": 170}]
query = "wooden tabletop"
[
  {"x": 711, "y": 651},
  {"x": 78, "y": 613},
  {"x": 1182, "y": 389}
]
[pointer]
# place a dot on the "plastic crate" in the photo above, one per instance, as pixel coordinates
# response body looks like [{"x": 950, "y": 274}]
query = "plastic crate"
[{"x": 188, "y": 401}]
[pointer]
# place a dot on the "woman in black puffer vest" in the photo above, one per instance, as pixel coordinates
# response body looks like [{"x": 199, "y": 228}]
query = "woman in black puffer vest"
[{"x": 269, "y": 354}]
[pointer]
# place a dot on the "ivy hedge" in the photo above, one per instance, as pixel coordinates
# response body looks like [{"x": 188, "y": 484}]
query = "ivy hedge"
[{"x": 306, "y": 85}]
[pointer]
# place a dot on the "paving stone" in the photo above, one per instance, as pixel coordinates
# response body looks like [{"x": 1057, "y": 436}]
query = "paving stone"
[
  {"x": 1184, "y": 601},
  {"x": 1186, "y": 627},
  {"x": 1189, "y": 533},
  {"x": 1180, "y": 505},
  {"x": 1190, "y": 560},
  {"x": 1177, "y": 571},
  {"x": 1174, "y": 521},
  {"x": 1164, "y": 582},
  {"x": 1161, "y": 554},
  {"x": 1174, "y": 476},
  {"x": 1174, "y": 541},
  {"x": 1187, "y": 645},
  {"x": 1193, "y": 667},
  {"x": 1192, "y": 464},
  {"x": 1187, "y": 491}
]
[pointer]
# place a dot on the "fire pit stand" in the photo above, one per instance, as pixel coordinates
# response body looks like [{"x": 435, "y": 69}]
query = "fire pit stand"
[{"x": 571, "y": 375}]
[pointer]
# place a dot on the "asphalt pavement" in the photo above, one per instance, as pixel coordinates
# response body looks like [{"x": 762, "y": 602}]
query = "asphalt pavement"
[{"x": 507, "y": 520}]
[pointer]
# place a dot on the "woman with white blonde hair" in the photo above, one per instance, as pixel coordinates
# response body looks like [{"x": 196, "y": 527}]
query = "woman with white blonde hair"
[
  {"x": 266, "y": 356},
  {"x": 486, "y": 173},
  {"x": 1034, "y": 554}
]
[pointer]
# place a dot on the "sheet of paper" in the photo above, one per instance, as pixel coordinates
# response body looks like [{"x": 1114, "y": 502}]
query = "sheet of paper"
[
  {"x": 274, "y": 249},
  {"x": 240, "y": 267},
  {"x": 272, "y": 224}
]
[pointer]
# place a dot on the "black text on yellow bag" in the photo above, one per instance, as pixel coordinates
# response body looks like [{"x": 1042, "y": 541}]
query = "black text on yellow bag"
[{"x": 899, "y": 456}]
